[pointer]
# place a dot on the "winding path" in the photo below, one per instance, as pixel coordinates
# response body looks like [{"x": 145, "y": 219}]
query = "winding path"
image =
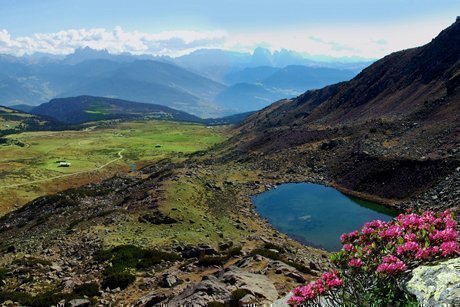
[{"x": 120, "y": 156}]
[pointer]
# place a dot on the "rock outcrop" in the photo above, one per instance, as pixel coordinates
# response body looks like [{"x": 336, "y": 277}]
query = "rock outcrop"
[{"x": 437, "y": 285}]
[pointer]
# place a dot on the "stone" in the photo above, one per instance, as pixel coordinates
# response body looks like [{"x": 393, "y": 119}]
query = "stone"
[
  {"x": 150, "y": 300},
  {"x": 219, "y": 287},
  {"x": 257, "y": 284},
  {"x": 56, "y": 267},
  {"x": 208, "y": 290},
  {"x": 248, "y": 299},
  {"x": 436, "y": 285},
  {"x": 79, "y": 302},
  {"x": 170, "y": 280}
]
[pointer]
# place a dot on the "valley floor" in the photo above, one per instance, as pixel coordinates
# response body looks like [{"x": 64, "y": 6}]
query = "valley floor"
[
  {"x": 29, "y": 163},
  {"x": 197, "y": 207}
]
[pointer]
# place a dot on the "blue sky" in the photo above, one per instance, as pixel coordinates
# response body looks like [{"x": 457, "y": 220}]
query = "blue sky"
[{"x": 369, "y": 28}]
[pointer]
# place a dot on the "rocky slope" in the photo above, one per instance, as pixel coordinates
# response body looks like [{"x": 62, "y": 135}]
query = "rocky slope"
[{"x": 391, "y": 133}]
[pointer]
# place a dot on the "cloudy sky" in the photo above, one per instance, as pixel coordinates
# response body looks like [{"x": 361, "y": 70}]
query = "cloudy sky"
[{"x": 337, "y": 28}]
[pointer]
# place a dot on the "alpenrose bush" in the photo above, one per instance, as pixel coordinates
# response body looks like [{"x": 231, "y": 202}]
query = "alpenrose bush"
[{"x": 374, "y": 261}]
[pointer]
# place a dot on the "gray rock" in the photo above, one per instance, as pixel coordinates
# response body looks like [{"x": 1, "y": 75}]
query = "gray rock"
[
  {"x": 219, "y": 288},
  {"x": 79, "y": 302},
  {"x": 256, "y": 284},
  {"x": 170, "y": 280},
  {"x": 209, "y": 290},
  {"x": 436, "y": 285}
]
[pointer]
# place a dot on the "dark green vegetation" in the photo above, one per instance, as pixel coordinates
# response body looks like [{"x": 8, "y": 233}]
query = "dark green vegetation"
[
  {"x": 87, "y": 289},
  {"x": 124, "y": 259},
  {"x": 40, "y": 300},
  {"x": 81, "y": 109}
]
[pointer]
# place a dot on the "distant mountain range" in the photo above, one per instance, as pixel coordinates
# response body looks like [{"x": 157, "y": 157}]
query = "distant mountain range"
[{"x": 205, "y": 83}]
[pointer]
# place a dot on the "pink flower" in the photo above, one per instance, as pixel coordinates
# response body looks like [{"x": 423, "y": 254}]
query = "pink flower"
[
  {"x": 408, "y": 247},
  {"x": 422, "y": 254},
  {"x": 450, "y": 248},
  {"x": 410, "y": 237},
  {"x": 391, "y": 232},
  {"x": 296, "y": 300},
  {"x": 355, "y": 263},
  {"x": 391, "y": 265},
  {"x": 348, "y": 247},
  {"x": 446, "y": 235}
]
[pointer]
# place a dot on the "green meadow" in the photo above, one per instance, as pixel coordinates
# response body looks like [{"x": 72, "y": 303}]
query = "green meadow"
[{"x": 31, "y": 169}]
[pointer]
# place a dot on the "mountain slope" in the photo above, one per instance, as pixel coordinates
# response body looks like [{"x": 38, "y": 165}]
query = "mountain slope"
[
  {"x": 391, "y": 132},
  {"x": 81, "y": 109},
  {"x": 244, "y": 97},
  {"x": 301, "y": 78}
]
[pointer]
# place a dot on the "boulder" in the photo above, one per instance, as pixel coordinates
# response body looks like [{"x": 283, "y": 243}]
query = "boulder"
[
  {"x": 257, "y": 284},
  {"x": 208, "y": 290},
  {"x": 170, "y": 280},
  {"x": 219, "y": 288},
  {"x": 79, "y": 302},
  {"x": 436, "y": 285}
]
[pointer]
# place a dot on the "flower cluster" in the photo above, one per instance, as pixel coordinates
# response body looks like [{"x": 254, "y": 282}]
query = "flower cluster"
[
  {"x": 391, "y": 265},
  {"x": 385, "y": 251},
  {"x": 411, "y": 237},
  {"x": 325, "y": 283}
]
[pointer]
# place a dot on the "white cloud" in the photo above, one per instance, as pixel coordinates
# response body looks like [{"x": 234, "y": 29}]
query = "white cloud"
[
  {"x": 115, "y": 41},
  {"x": 337, "y": 41}
]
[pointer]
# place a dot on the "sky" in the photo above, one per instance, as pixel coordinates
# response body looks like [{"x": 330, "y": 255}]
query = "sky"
[{"x": 333, "y": 28}]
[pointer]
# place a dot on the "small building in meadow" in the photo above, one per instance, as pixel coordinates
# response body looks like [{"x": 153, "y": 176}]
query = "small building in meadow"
[{"x": 63, "y": 164}]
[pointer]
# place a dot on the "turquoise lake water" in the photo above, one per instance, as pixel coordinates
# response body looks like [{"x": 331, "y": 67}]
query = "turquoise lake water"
[{"x": 316, "y": 215}]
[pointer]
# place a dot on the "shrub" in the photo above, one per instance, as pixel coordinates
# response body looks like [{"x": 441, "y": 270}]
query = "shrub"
[
  {"x": 236, "y": 296},
  {"x": 124, "y": 258},
  {"x": 130, "y": 256},
  {"x": 152, "y": 257},
  {"x": 3, "y": 273},
  {"x": 114, "y": 278},
  {"x": 235, "y": 251},
  {"x": 374, "y": 261},
  {"x": 212, "y": 260},
  {"x": 40, "y": 300},
  {"x": 88, "y": 289}
]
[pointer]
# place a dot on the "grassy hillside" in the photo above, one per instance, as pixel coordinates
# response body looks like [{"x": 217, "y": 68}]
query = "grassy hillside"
[
  {"x": 29, "y": 161},
  {"x": 14, "y": 121},
  {"x": 75, "y": 110}
]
